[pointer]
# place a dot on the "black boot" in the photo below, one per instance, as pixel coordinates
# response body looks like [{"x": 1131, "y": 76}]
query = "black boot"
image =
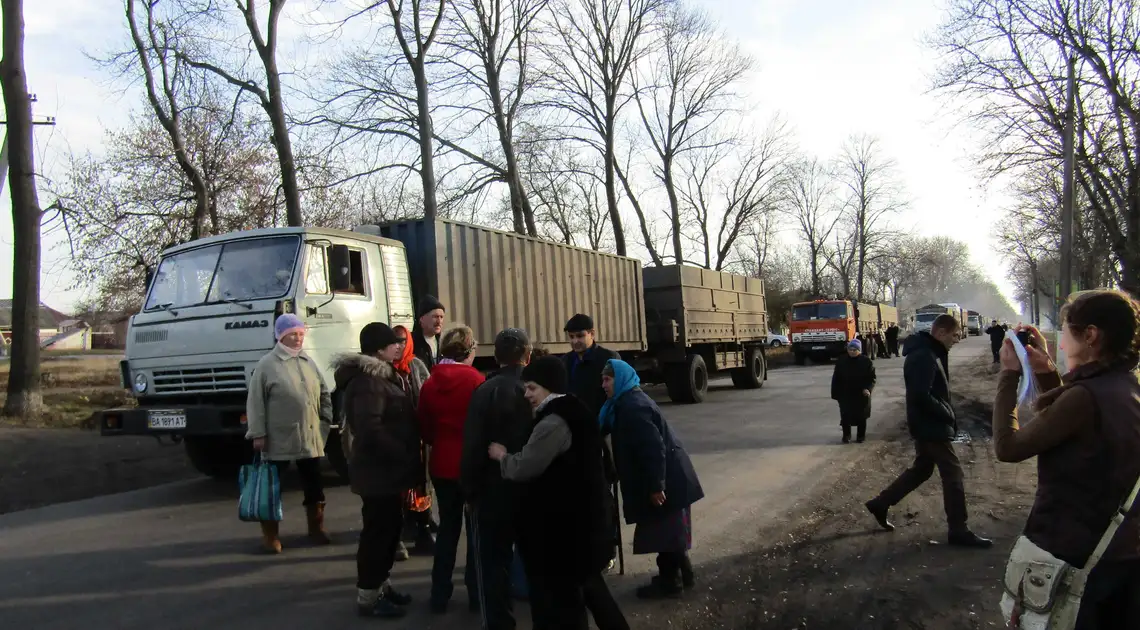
[
  {"x": 967, "y": 538},
  {"x": 667, "y": 584},
  {"x": 880, "y": 513}
]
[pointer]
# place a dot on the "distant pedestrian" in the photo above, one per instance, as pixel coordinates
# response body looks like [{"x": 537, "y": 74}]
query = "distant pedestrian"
[
  {"x": 288, "y": 414},
  {"x": 565, "y": 530},
  {"x": 1085, "y": 435},
  {"x": 851, "y": 386},
  {"x": 893, "y": 332},
  {"x": 384, "y": 465},
  {"x": 442, "y": 412},
  {"x": 996, "y": 332},
  {"x": 658, "y": 482},
  {"x": 498, "y": 413},
  {"x": 934, "y": 426},
  {"x": 419, "y": 526},
  {"x": 429, "y": 326}
]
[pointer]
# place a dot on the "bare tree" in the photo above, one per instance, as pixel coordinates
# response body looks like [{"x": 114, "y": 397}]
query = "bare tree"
[
  {"x": 267, "y": 90},
  {"x": 24, "y": 399},
  {"x": 684, "y": 91},
  {"x": 595, "y": 44},
  {"x": 807, "y": 201},
  {"x": 570, "y": 204},
  {"x": 494, "y": 46},
  {"x": 874, "y": 195},
  {"x": 643, "y": 220}
]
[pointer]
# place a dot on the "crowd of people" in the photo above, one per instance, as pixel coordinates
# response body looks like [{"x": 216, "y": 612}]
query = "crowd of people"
[{"x": 526, "y": 461}]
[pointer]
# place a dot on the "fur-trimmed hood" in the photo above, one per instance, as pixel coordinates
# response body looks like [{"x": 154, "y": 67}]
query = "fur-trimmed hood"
[{"x": 348, "y": 366}]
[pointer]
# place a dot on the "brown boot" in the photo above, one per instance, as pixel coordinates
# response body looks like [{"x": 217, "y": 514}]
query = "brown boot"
[
  {"x": 317, "y": 533},
  {"x": 269, "y": 539}
]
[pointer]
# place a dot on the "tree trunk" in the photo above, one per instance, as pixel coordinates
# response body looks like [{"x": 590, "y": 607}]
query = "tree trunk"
[
  {"x": 675, "y": 214},
  {"x": 427, "y": 152},
  {"x": 642, "y": 221},
  {"x": 281, "y": 140},
  {"x": 521, "y": 210},
  {"x": 611, "y": 183},
  {"x": 24, "y": 398}
]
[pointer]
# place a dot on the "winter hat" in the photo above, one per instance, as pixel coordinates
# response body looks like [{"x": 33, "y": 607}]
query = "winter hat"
[
  {"x": 579, "y": 323},
  {"x": 428, "y": 303},
  {"x": 285, "y": 324},
  {"x": 855, "y": 343},
  {"x": 549, "y": 372},
  {"x": 375, "y": 337}
]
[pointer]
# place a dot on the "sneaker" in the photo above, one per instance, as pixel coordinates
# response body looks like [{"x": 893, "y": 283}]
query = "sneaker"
[
  {"x": 880, "y": 514},
  {"x": 401, "y": 553},
  {"x": 384, "y": 608},
  {"x": 394, "y": 596},
  {"x": 968, "y": 539}
]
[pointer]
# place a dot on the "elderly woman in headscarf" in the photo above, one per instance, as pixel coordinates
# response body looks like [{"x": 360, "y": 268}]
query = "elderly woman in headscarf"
[
  {"x": 412, "y": 372},
  {"x": 288, "y": 411},
  {"x": 658, "y": 482}
]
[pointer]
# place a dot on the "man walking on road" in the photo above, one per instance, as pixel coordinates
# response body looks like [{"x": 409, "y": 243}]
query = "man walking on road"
[
  {"x": 996, "y": 332},
  {"x": 933, "y": 425},
  {"x": 893, "y": 340},
  {"x": 499, "y": 413}
]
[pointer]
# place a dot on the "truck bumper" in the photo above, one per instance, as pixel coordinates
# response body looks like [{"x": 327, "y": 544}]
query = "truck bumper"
[
  {"x": 819, "y": 348},
  {"x": 187, "y": 420}
]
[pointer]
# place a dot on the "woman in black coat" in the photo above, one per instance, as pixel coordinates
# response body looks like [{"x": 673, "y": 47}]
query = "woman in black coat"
[
  {"x": 851, "y": 386},
  {"x": 658, "y": 482}
]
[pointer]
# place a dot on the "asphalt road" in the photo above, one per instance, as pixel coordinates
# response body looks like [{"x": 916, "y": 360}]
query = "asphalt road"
[{"x": 176, "y": 556}]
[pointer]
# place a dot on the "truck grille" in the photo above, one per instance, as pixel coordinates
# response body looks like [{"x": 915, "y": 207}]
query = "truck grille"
[
  {"x": 200, "y": 380},
  {"x": 150, "y": 336}
]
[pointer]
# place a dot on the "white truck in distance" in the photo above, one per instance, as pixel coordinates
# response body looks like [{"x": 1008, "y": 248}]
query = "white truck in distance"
[{"x": 208, "y": 319}]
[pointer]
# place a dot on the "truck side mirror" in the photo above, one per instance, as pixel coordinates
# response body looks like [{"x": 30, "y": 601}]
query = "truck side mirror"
[{"x": 340, "y": 268}]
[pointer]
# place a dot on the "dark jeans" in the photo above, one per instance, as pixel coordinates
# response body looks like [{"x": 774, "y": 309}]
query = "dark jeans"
[
  {"x": 311, "y": 482},
  {"x": 1112, "y": 597},
  {"x": 494, "y": 536},
  {"x": 558, "y": 603},
  {"x": 452, "y": 517},
  {"x": 928, "y": 456},
  {"x": 997, "y": 353},
  {"x": 382, "y": 519}
]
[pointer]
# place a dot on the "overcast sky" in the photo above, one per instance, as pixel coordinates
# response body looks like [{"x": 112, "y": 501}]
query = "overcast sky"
[{"x": 831, "y": 67}]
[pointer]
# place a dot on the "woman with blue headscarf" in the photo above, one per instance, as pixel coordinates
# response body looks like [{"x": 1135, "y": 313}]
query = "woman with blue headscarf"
[{"x": 658, "y": 482}]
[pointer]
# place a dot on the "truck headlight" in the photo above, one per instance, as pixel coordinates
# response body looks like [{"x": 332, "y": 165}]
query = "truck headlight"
[{"x": 140, "y": 383}]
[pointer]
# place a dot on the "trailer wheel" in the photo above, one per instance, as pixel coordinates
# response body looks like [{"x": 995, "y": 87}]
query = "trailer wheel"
[
  {"x": 335, "y": 453},
  {"x": 687, "y": 382},
  {"x": 752, "y": 375},
  {"x": 218, "y": 456}
]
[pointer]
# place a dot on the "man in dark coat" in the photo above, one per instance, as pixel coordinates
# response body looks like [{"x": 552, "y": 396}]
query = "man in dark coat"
[
  {"x": 996, "y": 332},
  {"x": 893, "y": 340},
  {"x": 658, "y": 481},
  {"x": 498, "y": 413},
  {"x": 429, "y": 326},
  {"x": 933, "y": 425},
  {"x": 565, "y": 532},
  {"x": 585, "y": 361},
  {"x": 851, "y": 386}
]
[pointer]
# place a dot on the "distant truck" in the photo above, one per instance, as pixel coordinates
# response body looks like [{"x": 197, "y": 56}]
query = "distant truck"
[
  {"x": 974, "y": 323},
  {"x": 821, "y": 329},
  {"x": 209, "y": 312},
  {"x": 924, "y": 316}
]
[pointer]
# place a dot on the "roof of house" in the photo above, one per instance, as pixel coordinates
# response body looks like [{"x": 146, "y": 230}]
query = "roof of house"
[{"x": 49, "y": 317}]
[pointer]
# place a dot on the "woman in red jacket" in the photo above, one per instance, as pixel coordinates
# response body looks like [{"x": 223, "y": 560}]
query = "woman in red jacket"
[{"x": 442, "y": 413}]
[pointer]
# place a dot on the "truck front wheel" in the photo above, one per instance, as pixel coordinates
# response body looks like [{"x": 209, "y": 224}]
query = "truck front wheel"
[
  {"x": 218, "y": 456},
  {"x": 752, "y": 375},
  {"x": 687, "y": 382}
]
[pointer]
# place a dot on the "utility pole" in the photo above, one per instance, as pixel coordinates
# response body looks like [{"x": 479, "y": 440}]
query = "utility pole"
[
  {"x": 46, "y": 120},
  {"x": 1069, "y": 144}
]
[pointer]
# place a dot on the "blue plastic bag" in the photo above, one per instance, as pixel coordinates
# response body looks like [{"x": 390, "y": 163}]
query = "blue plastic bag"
[
  {"x": 519, "y": 588},
  {"x": 260, "y": 498}
]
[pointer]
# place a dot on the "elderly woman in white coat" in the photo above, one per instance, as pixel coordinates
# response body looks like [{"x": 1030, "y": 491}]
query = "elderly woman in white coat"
[{"x": 288, "y": 414}]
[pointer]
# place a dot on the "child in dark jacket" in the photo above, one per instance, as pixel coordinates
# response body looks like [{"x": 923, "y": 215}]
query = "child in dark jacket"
[{"x": 851, "y": 386}]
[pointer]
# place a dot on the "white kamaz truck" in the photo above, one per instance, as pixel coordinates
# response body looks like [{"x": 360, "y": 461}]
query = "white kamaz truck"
[{"x": 208, "y": 318}]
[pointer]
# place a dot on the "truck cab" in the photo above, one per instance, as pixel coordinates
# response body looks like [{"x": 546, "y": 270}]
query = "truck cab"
[
  {"x": 208, "y": 319},
  {"x": 821, "y": 328}
]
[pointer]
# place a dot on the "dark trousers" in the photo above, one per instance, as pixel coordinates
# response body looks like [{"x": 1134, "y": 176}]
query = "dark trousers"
[
  {"x": 674, "y": 567},
  {"x": 860, "y": 429},
  {"x": 559, "y": 603},
  {"x": 893, "y": 347},
  {"x": 452, "y": 516},
  {"x": 928, "y": 456},
  {"x": 312, "y": 484},
  {"x": 997, "y": 353},
  {"x": 600, "y": 602},
  {"x": 853, "y": 414},
  {"x": 1112, "y": 597},
  {"x": 382, "y": 519},
  {"x": 494, "y": 536}
]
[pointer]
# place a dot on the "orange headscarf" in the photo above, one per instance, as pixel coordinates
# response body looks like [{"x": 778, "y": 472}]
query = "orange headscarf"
[{"x": 403, "y": 364}]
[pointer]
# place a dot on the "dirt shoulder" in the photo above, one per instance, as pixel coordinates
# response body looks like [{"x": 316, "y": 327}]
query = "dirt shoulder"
[{"x": 833, "y": 568}]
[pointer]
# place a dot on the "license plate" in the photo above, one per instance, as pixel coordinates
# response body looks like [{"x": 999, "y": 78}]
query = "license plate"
[
  {"x": 166, "y": 419},
  {"x": 819, "y": 347}
]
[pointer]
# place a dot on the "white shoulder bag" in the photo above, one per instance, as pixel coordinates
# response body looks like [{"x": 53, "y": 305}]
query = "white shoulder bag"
[{"x": 1043, "y": 592}]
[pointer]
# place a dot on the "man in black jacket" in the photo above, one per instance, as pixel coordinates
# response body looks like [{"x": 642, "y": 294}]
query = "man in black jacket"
[
  {"x": 429, "y": 326},
  {"x": 933, "y": 425},
  {"x": 893, "y": 340},
  {"x": 585, "y": 361},
  {"x": 498, "y": 413},
  {"x": 996, "y": 332}
]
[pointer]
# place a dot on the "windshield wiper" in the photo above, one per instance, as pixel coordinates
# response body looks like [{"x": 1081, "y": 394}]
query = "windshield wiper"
[
  {"x": 166, "y": 307},
  {"x": 248, "y": 307}
]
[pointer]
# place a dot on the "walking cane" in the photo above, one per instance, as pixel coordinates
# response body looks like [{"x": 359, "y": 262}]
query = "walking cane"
[{"x": 617, "y": 525}]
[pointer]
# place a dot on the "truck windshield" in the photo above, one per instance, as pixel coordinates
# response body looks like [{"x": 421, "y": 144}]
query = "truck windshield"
[
  {"x": 807, "y": 312},
  {"x": 253, "y": 269},
  {"x": 926, "y": 317}
]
